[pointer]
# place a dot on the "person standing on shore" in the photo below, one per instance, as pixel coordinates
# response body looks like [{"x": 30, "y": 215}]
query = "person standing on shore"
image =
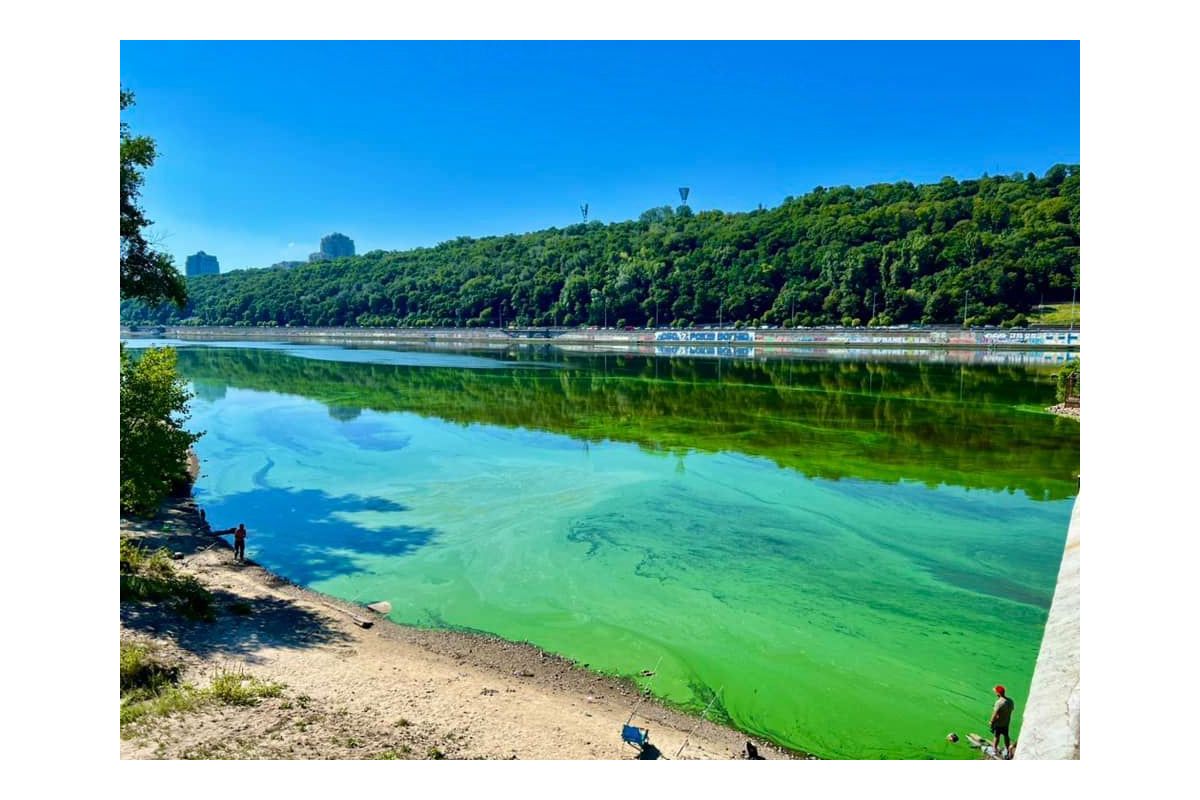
[
  {"x": 239, "y": 543},
  {"x": 1001, "y": 717}
]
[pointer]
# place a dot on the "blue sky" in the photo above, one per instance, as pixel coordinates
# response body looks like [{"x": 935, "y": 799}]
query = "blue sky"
[{"x": 267, "y": 146}]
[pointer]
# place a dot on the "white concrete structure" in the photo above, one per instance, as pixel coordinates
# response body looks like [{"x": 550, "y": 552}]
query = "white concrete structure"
[{"x": 1050, "y": 725}]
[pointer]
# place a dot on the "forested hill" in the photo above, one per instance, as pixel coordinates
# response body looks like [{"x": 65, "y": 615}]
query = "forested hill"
[{"x": 1006, "y": 243}]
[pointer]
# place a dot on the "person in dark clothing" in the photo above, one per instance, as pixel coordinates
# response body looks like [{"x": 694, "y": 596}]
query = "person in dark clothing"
[
  {"x": 239, "y": 542},
  {"x": 1001, "y": 717}
]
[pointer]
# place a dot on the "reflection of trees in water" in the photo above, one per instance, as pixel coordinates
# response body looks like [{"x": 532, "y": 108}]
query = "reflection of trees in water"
[
  {"x": 344, "y": 413},
  {"x": 831, "y": 419},
  {"x": 209, "y": 390}
]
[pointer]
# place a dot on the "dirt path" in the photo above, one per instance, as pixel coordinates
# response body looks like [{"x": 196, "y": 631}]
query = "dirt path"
[{"x": 387, "y": 691}]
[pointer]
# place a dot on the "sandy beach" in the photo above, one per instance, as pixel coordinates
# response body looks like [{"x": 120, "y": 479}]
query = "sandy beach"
[{"x": 386, "y": 691}]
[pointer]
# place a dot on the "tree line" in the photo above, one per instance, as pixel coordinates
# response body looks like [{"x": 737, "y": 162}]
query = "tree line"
[{"x": 985, "y": 251}]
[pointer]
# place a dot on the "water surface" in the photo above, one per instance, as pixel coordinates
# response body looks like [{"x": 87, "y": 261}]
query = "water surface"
[{"x": 848, "y": 554}]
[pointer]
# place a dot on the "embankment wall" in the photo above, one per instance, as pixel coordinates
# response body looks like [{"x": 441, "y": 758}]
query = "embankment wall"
[
  {"x": 937, "y": 337},
  {"x": 1050, "y": 726}
]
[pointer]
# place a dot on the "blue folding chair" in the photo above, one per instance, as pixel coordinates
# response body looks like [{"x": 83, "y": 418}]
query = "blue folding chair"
[{"x": 633, "y": 735}]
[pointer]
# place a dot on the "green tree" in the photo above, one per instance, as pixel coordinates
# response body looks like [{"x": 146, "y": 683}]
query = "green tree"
[
  {"x": 154, "y": 444},
  {"x": 146, "y": 273},
  {"x": 916, "y": 251}
]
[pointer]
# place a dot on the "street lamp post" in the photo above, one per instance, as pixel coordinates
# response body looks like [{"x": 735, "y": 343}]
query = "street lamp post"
[{"x": 966, "y": 294}]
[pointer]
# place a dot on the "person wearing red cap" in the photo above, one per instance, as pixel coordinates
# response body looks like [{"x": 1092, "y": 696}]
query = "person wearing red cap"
[{"x": 1001, "y": 716}]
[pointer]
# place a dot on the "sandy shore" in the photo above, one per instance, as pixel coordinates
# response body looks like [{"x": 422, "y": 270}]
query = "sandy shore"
[{"x": 386, "y": 691}]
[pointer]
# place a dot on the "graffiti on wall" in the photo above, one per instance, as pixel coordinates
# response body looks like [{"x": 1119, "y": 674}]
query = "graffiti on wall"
[
  {"x": 692, "y": 351},
  {"x": 704, "y": 336}
]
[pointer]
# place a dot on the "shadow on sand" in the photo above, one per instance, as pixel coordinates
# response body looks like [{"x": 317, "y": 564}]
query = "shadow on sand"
[
  {"x": 649, "y": 753},
  {"x": 242, "y": 626}
]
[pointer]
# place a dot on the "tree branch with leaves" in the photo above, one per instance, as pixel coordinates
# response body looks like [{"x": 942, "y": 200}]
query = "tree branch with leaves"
[{"x": 146, "y": 273}]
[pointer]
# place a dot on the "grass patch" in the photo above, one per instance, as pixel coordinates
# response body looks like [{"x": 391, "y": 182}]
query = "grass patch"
[
  {"x": 169, "y": 700},
  {"x": 150, "y": 687},
  {"x": 151, "y": 577},
  {"x": 143, "y": 670},
  {"x": 393, "y": 755},
  {"x": 1057, "y": 314},
  {"x": 240, "y": 689}
]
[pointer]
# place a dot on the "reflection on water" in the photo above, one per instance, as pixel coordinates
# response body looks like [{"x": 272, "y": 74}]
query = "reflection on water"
[
  {"x": 847, "y": 555},
  {"x": 927, "y": 422}
]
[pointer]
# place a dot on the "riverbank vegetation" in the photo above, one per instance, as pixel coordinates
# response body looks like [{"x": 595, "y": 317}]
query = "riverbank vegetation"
[
  {"x": 154, "y": 444},
  {"x": 151, "y": 577},
  {"x": 983, "y": 251},
  {"x": 150, "y": 680},
  {"x": 151, "y": 686}
]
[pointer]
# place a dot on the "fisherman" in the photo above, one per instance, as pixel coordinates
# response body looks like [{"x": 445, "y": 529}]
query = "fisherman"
[
  {"x": 239, "y": 543},
  {"x": 1001, "y": 716}
]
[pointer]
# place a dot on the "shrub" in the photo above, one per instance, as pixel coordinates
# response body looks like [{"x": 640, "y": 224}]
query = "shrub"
[
  {"x": 152, "y": 577},
  {"x": 143, "y": 671},
  {"x": 239, "y": 689},
  {"x": 154, "y": 444},
  {"x": 150, "y": 687}
]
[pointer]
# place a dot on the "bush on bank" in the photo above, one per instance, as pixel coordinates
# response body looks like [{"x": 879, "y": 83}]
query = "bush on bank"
[{"x": 154, "y": 444}]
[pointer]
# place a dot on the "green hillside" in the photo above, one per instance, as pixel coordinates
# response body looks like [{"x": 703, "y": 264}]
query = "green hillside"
[{"x": 1003, "y": 244}]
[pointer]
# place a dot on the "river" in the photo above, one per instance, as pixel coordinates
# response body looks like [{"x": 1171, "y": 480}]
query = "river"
[{"x": 842, "y": 556}]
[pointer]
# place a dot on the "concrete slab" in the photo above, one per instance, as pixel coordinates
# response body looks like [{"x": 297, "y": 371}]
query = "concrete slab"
[{"x": 1050, "y": 725}]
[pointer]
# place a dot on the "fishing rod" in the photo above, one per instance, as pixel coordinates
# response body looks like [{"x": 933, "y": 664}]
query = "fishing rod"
[
  {"x": 646, "y": 692},
  {"x": 702, "y": 716}
]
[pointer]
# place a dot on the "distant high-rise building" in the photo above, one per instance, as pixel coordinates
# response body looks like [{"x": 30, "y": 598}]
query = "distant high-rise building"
[
  {"x": 335, "y": 245},
  {"x": 202, "y": 264}
]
